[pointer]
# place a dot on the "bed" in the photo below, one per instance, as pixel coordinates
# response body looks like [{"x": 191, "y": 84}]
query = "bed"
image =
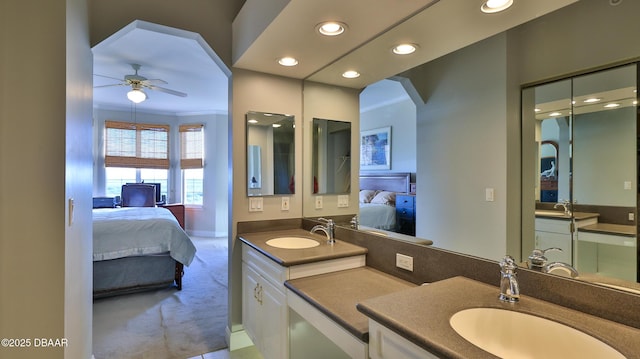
[
  {"x": 138, "y": 248},
  {"x": 377, "y": 198}
]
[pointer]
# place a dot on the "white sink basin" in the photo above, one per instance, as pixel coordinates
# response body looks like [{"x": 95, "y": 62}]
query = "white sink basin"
[
  {"x": 292, "y": 243},
  {"x": 510, "y": 334}
]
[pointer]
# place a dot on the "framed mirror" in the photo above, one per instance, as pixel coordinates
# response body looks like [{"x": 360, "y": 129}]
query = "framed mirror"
[
  {"x": 270, "y": 154},
  {"x": 331, "y": 157}
]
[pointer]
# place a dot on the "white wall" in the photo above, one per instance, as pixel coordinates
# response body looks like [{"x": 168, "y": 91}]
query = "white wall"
[
  {"x": 199, "y": 220},
  {"x": 462, "y": 150},
  {"x": 401, "y": 116}
]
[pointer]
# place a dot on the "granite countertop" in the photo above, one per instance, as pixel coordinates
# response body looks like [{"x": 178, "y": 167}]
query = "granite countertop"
[
  {"x": 336, "y": 294},
  {"x": 422, "y": 314},
  {"x": 551, "y": 214},
  {"x": 608, "y": 228},
  {"x": 291, "y": 257}
]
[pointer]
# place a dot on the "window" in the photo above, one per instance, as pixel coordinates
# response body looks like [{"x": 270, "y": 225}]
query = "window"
[
  {"x": 136, "y": 145},
  {"x": 192, "y": 163},
  {"x": 135, "y": 152}
]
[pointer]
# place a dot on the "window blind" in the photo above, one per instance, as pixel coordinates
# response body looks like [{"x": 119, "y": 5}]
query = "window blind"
[
  {"x": 191, "y": 146},
  {"x": 136, "y": 145}
]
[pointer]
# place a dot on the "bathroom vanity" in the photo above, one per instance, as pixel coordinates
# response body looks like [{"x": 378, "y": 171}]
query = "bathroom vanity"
[{"x": 325, "y": 300}]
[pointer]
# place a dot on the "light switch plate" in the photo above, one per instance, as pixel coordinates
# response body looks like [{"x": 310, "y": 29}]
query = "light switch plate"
[
  {"x": 343, "y": 200},
  {"x": 488, "y": 194},
  {"x": 255, "y": 204},
  {"x": 318, "y": 202},
  {"x": 285, "y": 203}
]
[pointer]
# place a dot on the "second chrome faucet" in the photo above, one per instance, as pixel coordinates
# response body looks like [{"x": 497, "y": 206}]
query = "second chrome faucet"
[{"x": 328, "y": 229}]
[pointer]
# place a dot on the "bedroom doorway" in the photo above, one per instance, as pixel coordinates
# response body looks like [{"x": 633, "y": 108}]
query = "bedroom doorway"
[{"x": 176, "y": 62}]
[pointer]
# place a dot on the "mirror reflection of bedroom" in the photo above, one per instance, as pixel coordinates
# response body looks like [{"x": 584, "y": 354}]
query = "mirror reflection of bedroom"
[
  {"x": 160, "y": 249},
  {"x": 387, "y": 194}
]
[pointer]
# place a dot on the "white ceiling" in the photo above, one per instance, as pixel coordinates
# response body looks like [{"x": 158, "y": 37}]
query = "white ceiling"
[{"x": 262, "y": 34}]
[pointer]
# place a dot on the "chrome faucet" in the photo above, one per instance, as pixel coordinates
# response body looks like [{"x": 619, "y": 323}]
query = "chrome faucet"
[
  {"x": 537, "y": 259},
  {"x": 328, "y": 230},
  {"x": 355, "y": 224},
  {"x": 555, "y": 265},
  {"x": 509, "y": 287},
  {"x": 564, "y": 203}
]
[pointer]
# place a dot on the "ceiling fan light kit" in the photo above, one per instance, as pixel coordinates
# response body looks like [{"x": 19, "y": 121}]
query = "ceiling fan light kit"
[{"x": 136, "y": 95}]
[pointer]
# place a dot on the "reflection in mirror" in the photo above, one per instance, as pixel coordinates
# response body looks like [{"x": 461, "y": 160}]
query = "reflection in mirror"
[
  {"x": 270, "y": 154},
  {"x": 331, "y": 157},
  {"x": 591, "y": 121}
]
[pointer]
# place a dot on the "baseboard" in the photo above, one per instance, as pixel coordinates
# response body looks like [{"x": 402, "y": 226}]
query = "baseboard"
[
  {"x": 237, "y": 340},
  {"x": 206, "y": 234}
]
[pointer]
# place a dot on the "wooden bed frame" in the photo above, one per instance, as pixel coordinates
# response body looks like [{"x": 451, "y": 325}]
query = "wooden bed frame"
[{"x": 387, "y": 181}]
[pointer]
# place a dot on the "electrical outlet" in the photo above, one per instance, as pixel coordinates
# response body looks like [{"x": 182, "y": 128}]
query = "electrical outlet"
[
  {"x": 318, "y": 202},
  {"x": 285, "y": 203},
  {"x": 404, "y": 262},
  {"x": 627, "y": 184},
  {"x": 632, "y": 216}
]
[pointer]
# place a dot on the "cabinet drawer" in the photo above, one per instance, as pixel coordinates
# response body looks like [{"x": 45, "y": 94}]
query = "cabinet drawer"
[
  {"x": 405, "y": 213},
  {"x": 405, "y": 201},
  {"x": 269, "y": 269}
]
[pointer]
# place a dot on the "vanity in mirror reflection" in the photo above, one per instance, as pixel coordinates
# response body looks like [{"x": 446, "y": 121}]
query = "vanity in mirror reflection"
[
  {"x": 586, "y": 172},
  {"x": 331, "y": 157},
  {"x": 270, "y": 154}
]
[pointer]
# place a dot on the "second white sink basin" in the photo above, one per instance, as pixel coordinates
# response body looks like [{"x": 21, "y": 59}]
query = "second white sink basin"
[
  {"x": 292, "y": 243},
  {"x": 510, "y": 334}
]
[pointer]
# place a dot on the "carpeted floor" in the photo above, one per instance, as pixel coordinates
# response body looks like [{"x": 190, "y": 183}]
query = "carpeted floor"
[{"x": 167, "y": 323}]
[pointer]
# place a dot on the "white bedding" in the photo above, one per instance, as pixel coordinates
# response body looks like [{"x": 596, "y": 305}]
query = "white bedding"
[
  {"x": 137, "y": 231},
  {"x": 380, "y": 216}
]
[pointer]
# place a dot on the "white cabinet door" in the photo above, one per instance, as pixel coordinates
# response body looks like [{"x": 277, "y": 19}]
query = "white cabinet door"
[
  {"x": 546, "y": 240},
  {"x": 274, "y": 321},
  {"x": 250, "y": 305},
  {"x": 264, "y": 314}
]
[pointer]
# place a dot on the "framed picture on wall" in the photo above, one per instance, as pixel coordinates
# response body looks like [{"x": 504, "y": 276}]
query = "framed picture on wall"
[{"x": 375, "y": 149}]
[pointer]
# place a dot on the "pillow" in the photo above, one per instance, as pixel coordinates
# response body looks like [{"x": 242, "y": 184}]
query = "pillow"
[
  {"x": 366, "y": 195},
  {"x": 384, "y": 197}
]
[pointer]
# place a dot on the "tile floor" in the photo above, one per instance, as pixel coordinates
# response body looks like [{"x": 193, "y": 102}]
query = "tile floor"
[{"x": 244, "y": 353}]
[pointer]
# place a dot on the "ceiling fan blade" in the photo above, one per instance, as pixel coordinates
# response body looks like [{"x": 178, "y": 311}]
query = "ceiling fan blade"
[
  {"x": 120, "y": 84},
  {"x": 154, "y": 81},
  {"x": 109, "y": 77},
  {"x": 162, "y": 89}
]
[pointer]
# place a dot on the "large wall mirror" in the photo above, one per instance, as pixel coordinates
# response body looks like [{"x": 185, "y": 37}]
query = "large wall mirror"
[
  {"x": 584, "y": 134},
  {"x": 331, "y": 157},
  {"x": 270, "y": 154}
]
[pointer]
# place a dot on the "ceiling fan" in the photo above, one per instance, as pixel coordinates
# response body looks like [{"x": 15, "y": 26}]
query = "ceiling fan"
[{"x": 137, "y": 83}]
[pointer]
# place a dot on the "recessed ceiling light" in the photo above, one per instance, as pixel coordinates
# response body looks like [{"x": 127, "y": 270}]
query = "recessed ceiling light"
[
  {"x": 351, "y": 74},
  {"x": 592, "y": 100},
  {"x": 612, "y": 105},
  {"x": 555, "y": 114},
  {"x": 536, "y": 110},
  {"x": 493, "y": 6},
  {"x": 287, "y": 61},
  {"x": 253, "y": 121},
  {"x": 331, "y": 28},
  {"x": 635, "y": 102},
  {"x": 276, "y": 125},
  {"x": 404, "y": 49}
]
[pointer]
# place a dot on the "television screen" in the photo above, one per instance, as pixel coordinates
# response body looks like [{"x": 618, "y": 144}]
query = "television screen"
[{"x": 158, "y": 190}]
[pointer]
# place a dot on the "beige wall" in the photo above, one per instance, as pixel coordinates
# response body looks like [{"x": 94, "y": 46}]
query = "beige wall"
[
  {"x": 211, "y": 19},
  {"x": 329, "y": 103},
  {"x": 253, "y": 91},
  {"x": 44, "y": 258}
]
